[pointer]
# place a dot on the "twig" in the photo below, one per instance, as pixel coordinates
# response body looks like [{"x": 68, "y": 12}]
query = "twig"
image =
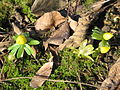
[
  {"x": 79, "y": 80},
  {"x": 66, "y": 81}
]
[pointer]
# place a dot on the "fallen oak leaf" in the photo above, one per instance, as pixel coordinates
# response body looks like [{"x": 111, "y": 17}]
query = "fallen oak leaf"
[{"x": 42, "y": 74}]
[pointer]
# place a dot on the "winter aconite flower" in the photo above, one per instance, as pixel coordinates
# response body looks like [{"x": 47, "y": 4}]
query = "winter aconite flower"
[
  {"x": 107, "y": 36},
  {"x": 21, "y": 39},
  {"x": 22, "y": 45},
  {"x": 104, "y": 49}
]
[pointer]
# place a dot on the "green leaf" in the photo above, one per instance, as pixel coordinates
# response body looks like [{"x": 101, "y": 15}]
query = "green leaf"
[
  {"x": 89, "y": 57},
  {"x": 30, "y": 49},
  {"x": 14, "y": 50},
  {"x": 34, "y": 42},
  {"x": 104, "y": 43},
  {"x": 97, "y": 34},
  {"x": 27, "y": 51},
  {"x": 20, "y": 51},
  {"x": 13, "y": 46}
]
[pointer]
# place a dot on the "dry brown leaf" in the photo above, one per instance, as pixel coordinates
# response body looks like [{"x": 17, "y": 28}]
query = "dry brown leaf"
[
  {"x": 72, "y": 23},
  {"x": 42, "y": 74},
  {"x": 113, "y": 80},
  {"x": 44, "y": 22},
  {"x": 58, "y": 18},
  {"x": 48, "y": 20},
  {"x": 59, "y": 35},
  {"x": 16, "y": 29}
]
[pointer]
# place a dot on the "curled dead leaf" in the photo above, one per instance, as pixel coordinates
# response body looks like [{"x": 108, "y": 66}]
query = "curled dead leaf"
[
  {"x": 42, "y": 74},
  {"x": 49, "y": 20}
]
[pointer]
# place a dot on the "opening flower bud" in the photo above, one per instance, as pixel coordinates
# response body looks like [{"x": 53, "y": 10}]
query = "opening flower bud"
[{"x": 21, "y": 39}]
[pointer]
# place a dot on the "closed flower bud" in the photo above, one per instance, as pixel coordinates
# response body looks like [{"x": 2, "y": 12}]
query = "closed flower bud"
[
  {"x": 107, "y": 36},
  {"x": 104, "y": 49}
]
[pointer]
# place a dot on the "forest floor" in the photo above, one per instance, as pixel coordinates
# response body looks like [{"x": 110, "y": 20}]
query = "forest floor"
[{"x": 73, "y": 46}]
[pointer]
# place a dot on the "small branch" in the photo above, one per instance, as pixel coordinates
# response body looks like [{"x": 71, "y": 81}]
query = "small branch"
[{"x": 65, "y": 81}]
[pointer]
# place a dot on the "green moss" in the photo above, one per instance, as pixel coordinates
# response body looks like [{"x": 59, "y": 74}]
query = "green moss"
[{"x": 7, "y": 9}]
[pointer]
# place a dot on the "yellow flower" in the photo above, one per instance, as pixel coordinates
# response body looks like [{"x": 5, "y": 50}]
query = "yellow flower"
[
  {"x": 104, "y": 49},
  {"x": 21, "y": 39},
  {"x": 107, "y": 36}
]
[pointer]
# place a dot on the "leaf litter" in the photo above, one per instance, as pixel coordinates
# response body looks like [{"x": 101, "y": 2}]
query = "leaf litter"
[{"x": 62, "y": 38}]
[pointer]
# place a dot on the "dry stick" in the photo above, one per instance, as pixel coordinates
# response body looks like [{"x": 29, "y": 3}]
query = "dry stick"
[
  {"x": 51, "y": 80},
  {"x": 79, "y": 80}
]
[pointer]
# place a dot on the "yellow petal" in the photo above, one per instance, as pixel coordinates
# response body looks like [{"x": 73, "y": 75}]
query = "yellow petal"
[
  {"x": 21, "y": 39},
  {"x": 104, "y": 49},
  {"x": 107, "y": 36}
]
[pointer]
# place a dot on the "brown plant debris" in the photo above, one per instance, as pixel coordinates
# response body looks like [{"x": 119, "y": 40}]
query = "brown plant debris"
[
  {"x": 78, "y": 35},
  {"x": 83, "y": 25},
  {"x": 42, "y": 74},
  {"x": 59, "y": 35},
  {"x": 16, "y": 29},
  {"x": 49, "y": 20},
  {"x": 113, "y": 80}
]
